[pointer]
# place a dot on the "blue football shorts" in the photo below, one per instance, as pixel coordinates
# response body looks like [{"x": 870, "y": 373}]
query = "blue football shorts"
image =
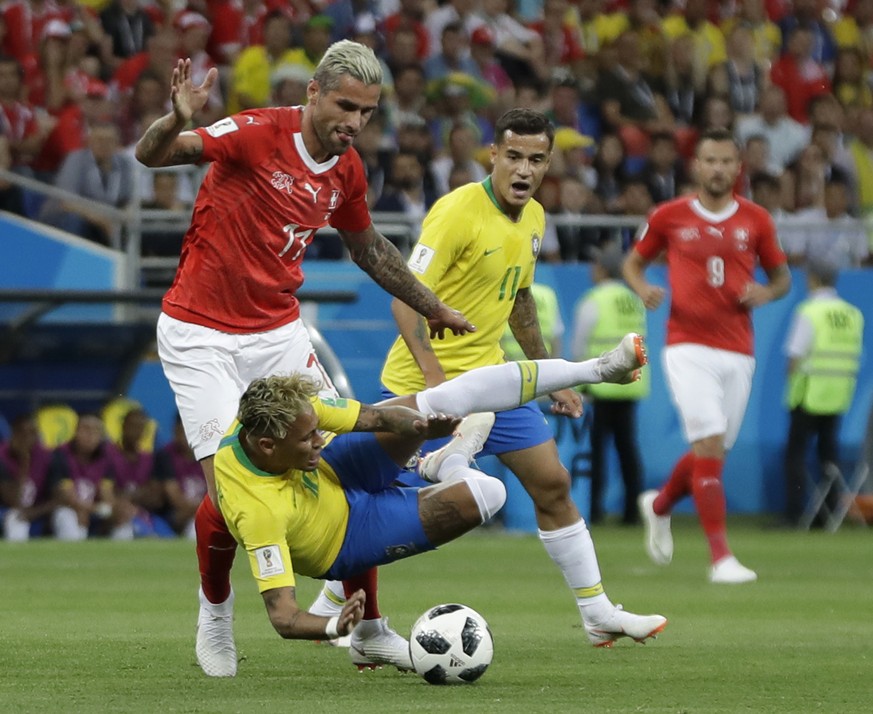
[{"x": 384, "y": 523}]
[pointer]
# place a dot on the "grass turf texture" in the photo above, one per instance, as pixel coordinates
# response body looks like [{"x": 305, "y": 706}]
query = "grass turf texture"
[{"x": 109, "y": 627}]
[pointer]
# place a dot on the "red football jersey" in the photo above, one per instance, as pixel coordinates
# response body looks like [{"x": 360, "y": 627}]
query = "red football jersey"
[
  {"x": 261, "y": 202},
  {"x": 710, "y": 258}
]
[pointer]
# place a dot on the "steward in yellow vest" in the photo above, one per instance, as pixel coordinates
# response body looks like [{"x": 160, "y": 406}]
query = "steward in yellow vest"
[
  {"x": 603, "y": 315},
  {"x": 824, "y": 351}
]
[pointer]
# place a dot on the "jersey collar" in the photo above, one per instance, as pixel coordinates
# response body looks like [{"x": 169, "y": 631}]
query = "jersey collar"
[
  {"x": 708, "y": 215},
  {"x": 489, "y": 189},
  {"x": 311, "y": 163},
  {"x": 232, "y": 440}
]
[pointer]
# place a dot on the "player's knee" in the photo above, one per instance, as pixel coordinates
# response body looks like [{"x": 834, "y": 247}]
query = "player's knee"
[
  {"x": 488, "y": 492},
  {"x": 549, "y": 488}
]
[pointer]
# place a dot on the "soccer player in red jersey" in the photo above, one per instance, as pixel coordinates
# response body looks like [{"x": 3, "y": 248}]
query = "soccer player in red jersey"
[
  {"x": 712, "y": 241},
  {"x": 231, "y": 316}
]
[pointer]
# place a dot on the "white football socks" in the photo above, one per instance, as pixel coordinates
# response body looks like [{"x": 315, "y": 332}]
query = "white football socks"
[
  {"x": 505, "y": 386},
  {"x": 572, "y": 550}
]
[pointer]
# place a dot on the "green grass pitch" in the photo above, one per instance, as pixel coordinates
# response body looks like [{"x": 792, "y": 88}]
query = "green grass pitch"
[{"x": 109, "y": 627}]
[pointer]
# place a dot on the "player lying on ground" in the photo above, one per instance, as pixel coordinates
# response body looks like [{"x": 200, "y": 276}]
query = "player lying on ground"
[{"x": 301, "y": 499}]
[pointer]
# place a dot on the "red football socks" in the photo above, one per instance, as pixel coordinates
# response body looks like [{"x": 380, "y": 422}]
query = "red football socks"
[
  {"x": 216, "y": 549},
  {"x": 678, "y": 486},
  {"x": 369, "y": 583},
  {"x": 709, "y": 498}
]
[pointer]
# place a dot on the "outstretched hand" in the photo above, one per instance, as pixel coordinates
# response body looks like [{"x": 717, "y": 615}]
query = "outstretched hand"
[
  {"x": 448, "y": 319},
  {"x": 186, "y": 98},
  {"x": 352, "y": 613},
  {"x": 437, "y": 426},
  {"x": 566, "y": 402}
]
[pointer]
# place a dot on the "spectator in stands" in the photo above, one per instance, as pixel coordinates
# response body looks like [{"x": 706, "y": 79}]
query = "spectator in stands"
[
  {"x": 663, "y": 172},
  {"x": 831, "y": 235},
  {"x": 741, "y": 78},
  {"x": 823, "y": 349},
  {"x": 462, "y": 146},
  {"x": 629, "y": 106},
  {"x": 182, "y": 478},
  {"x": 24, "y": 21},
  {"x": 100, "y": 172},
  {"x": 595, "y": 28},
  {"x": 45, "y": 86},
  {"x": 799, "y": 74},
  {"x": 566, "y": 104},
  {"x": 756, "y": 159},
  {"x": 573, "y": 155},
  {"x": 766, "y": 36},
  {"x": 373, "y": 152},
  {"x": 408, "y": 102},
  {"x": 804, "y": 180},
  {"x": 25, "y": 496},
  {"x": 453, "y": 54},
  {"x": 128, "y": 27},
  {"x": 489, "y": 69},
  {"x": 250, "y": 81},
  {"x": 461, "y": 99},
  {"x": 405, "y": 190},
  {"x": 709, "y": 42},
  {"x": 519, "y": 48},
  {"x": 26, "y": 128},
  {"x": 766, "y": 191},
  {"x": 861, "y": 151},
  {"x": 402, "y": 50},
  {"x": 315, "y": 41},
  {"x": 851, "y": 87},
  {"x": 786, "y": 137},
  {"x": 138, "y": 495},
  {"x": 83, "y": 483},
  {"x": 409, "y": 17},
  {"x": 165, "y": 197},
  {"x": 560, "y": 41},
  {"x": 459, "y": 176},
  {"x": 685, "y": 80},
  {"x": 642, "y": 17},
  {"x": 577, "y": 243},
  {"x": 808, "y": 15},
  {"x": 162, "y": 50},
  {"x": 634, "y": 200},
  {"x": 459, "y": 12},
  {"x": 854, "y": 28},
  {"x": 288, "y": 85},
  {"x": 609, "y": 164}
]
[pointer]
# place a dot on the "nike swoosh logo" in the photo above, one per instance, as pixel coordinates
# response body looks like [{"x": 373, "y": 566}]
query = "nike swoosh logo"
[{"x": 493, "y": 250}]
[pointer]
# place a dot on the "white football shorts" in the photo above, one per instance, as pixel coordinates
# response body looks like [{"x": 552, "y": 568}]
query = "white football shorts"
[
  {"x": 209, "y": 370},
  {"x": 710, "y": 388}
]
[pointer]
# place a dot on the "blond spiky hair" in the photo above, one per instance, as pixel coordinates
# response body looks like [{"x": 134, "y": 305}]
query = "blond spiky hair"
[
  {"x": 351, "y": 58},
  {"x": 271, "y": 404}
]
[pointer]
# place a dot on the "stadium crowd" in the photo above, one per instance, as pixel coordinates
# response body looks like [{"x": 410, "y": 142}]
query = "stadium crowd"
[{"x": 629, "y": 84}]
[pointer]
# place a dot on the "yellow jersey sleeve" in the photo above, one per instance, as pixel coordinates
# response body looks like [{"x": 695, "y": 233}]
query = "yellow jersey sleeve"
[{"x": 336, "y": 415}]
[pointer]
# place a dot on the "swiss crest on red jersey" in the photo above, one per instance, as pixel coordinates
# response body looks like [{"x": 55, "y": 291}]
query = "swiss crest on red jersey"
[
  {"x": 741, "y": 237},
  {"x": 282, "y": 181},
  {"x": 690, "y": 233}
]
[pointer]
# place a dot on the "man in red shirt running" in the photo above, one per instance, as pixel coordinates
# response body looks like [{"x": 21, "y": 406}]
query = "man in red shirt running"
[
  {"x": 713, "y": 241},
  {"x": 231, "y": 316}
]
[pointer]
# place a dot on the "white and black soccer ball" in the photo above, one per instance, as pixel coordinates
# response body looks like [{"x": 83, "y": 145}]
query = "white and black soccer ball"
[{"x": 451, "y": 644}]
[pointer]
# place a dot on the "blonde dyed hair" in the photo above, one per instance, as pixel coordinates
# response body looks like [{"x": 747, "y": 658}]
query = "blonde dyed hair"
[
  {"x": 347, "y": 58},
  {"x": 270, "y": 405}
]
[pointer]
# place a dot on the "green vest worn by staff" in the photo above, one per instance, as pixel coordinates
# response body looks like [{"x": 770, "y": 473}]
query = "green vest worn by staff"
[
  {"x": 619, "y": 311},
  {"x": 825, "y": 379}
]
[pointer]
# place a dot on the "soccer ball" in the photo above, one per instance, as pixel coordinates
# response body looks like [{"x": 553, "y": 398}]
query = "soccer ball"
[{"x": 451, "y": 644}]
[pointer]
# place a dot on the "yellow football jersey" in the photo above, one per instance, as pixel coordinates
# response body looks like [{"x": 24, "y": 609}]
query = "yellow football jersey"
[
  {"x": 293, "y": 522},
  {"x": 475, "y": 258}
]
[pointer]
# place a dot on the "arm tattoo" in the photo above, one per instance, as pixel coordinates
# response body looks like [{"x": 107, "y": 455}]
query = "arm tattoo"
[
  {"x": 155, "y": 148},
  {"x": 381, "y": 260},
  {"x": 422, "y": 335},
  {"x": 526, "y": 326}
]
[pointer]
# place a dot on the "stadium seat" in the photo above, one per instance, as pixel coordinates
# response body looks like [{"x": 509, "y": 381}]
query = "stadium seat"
[
  {"x": 56, "y": 424},
  {"x": 113, "y": 416}
]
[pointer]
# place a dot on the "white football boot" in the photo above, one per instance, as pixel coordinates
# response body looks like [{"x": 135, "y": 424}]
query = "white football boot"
[
  {"x": 374, "y": 644},
  {"x": 468, "y": 440},
  {"x": 659, "y": 537},
  {"x": 624, "y": 624},
  {"x": 729, "y": 570},
  {"x": 216, "y": 651},
  {"x": 622, "y": 363}
]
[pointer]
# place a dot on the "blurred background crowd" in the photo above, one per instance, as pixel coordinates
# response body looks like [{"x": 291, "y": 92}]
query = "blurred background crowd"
[{"x": 629, "y": 84}]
